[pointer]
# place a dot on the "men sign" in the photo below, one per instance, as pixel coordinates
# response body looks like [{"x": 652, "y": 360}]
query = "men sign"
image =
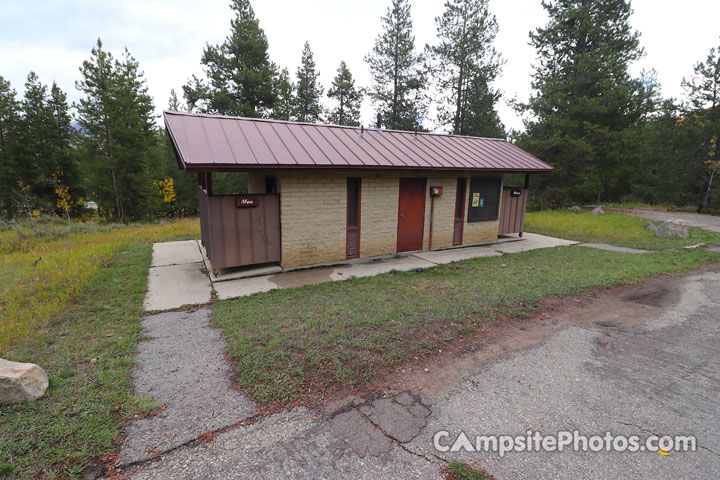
[{"x": 245, "y": 202}]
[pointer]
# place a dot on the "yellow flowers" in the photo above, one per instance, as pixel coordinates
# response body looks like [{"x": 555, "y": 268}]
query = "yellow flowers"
[{"x": 166, "y": 188}]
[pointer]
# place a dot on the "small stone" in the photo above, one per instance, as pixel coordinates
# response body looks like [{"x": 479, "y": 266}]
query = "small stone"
[
  {"x": 650, "y": 226},
  {"x": 21, "y": 382},
  {"x": 427, "y": 370},
  {"x": 672, "y": 229},
  {"x": 574, "y": 208},
  {"x": 597, "y": 211},
  {"x": 93, "y": 360}
]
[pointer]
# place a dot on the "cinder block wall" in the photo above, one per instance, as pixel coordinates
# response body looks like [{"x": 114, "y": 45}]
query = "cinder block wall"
[
  {"x": 313, "y": 210},
  {"x": 313, "y": 213}
]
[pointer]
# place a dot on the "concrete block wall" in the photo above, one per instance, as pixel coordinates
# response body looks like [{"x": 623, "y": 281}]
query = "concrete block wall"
[
  {"x": 313, "y": 214},
  {"x": 313, "y": 217}
]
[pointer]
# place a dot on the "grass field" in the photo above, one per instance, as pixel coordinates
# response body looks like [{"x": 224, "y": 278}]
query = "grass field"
[
  {"x": 76, "y": 312},
  {"x": 42, "y": 267},
  {"x": 290, "y": 343},
  {"x": 610, "y": 228}
]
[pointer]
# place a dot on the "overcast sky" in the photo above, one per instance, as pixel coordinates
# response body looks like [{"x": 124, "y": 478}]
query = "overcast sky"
[{"x": 167, "y": 37}]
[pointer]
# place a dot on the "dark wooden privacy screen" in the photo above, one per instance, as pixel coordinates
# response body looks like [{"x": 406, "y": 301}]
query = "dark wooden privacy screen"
[
  {"x": 512, "y": 210},
  {"x": 235, "y": 237}
]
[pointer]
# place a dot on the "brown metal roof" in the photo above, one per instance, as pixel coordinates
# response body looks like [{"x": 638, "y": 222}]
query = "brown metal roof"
[{"x": 215, "y": 142}]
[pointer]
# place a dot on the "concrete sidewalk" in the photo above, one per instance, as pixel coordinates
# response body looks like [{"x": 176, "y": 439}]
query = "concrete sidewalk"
[{"x": 179, "y": 277}]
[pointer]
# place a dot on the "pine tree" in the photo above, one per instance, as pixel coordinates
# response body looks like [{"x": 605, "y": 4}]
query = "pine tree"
[
  {"x": 43, "y": 154},
  {"x": 703, "y": 90},
  {"x": 308, "y": 90},
  {"x": 117, "y": 116},
  {"x": 348, "y": 98},
  {"x": 464, "y": 65},
  {"x": 702, "y": 118},
  {"x": 398, "y": 75},
  {"x": 240, "y": 75},
  {"x": 8, "y": 127},
  {"x": 584, "y": 99},
  {"x": 285, "y": 90},
  {"x": 174, "y": 102}
]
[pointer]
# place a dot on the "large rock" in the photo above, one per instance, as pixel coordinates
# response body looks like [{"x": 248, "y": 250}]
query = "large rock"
[
  {"x": 21, "y": 382},
  {"x": 672, "y": 229},
  {"x": 650, "y": 226},
  {"x": 597, "y": 211}
]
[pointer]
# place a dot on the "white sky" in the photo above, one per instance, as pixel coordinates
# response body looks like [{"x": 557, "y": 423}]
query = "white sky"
[{"x": 167, "y": 37}]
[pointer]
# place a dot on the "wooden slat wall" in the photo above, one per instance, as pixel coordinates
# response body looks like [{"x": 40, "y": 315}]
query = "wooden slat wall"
[
  {"x": 235, "y": 237},
  {"x": 512, "y": 211}
]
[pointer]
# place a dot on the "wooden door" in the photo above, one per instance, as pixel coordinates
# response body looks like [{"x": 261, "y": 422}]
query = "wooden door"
[
  {"x": 411, "y": 214},
  {"x": 512, "y": 210}
]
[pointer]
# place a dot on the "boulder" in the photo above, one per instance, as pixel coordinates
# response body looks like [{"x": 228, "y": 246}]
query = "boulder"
[
  {"x": 21, "y": 382},
  {"x": 650, "y": 226},
  {"x": 574, "y": 208},
  {"x": 597, "y": 211},
  {"x": 672, "y": 229}
]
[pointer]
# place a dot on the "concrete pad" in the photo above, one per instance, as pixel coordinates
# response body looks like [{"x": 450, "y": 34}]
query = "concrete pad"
[
  {"x": 239, "y": 272},
  {"x": 371, "y": 269},
  {"x": 613, "y": 248},
  {"x": 457, "y": 254},
  {"x": 532, "y": 241},
  {"x": 176, "y": 253},
  {"x": 173, "y": 286},
  {"x": 243, "y": 287}
]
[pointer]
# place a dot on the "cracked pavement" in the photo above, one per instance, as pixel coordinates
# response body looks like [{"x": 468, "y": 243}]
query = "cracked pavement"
[{"x": 638, "y": 361}]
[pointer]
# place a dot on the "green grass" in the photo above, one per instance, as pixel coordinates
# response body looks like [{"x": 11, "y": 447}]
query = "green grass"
[
  {"x": 290, "y": 343},
  {"x": 87, "y": 347},
  {"x": 44, "y": 266},
  {"x": 611, "y": 228},
  {"x": 456, "y": 470}
]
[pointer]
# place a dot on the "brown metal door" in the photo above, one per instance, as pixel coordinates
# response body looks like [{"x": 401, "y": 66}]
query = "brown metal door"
[{"x": 411, "y": 214}]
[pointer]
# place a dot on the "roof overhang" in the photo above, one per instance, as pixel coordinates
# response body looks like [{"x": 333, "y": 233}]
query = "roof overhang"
[{"x": 215, "y": 143}]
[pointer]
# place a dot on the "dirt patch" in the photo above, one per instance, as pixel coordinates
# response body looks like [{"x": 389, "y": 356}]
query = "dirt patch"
[{"x": 298, "y": 278}]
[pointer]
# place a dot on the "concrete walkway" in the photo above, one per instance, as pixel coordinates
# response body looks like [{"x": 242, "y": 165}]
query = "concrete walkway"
[
  {"x": 178, "y": 275},
  {"x": 182, "y": 367},
  {"x": 697, "y": 220}
]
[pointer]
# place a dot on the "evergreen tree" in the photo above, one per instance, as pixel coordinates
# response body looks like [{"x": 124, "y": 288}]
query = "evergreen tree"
[
  {"x": 464, "y": 65},
  {"x": 285, "y": 104},
  {"x": 240, "y": 75},
  {"x": 308, "y": 91},
  {"x": 348, "y": 98},
  {"x": 174, "y": 102},
  {"x": 703, "y": 90},
  {"x": 8, "y": 127},
  {"x": 184, "y": 183},
  {"x": 120, "y": 142},
  {"x": 398, "y": 75},
  {"x": 702, "y": 117},
  {"x": 43, "y": 155},
  {"x": 584, "y": 98}
]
